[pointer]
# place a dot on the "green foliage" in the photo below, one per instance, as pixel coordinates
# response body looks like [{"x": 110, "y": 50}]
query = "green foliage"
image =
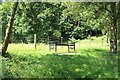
[
  {"x": 57, "y": 33},
  {"x": 0, "y": 23},
  {"x": 118, "y": 34},
  {"x": 90, "y": 38},
  {"x": 72, "y": 40},
  {"x": 67, "y": 20},
  {"x": 78, "y": 20},
  {"x": 44, "y": 19},
  {"x": 5, "y": 9}
]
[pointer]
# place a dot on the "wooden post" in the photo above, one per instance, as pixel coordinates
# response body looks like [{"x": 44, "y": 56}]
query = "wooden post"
[
  {"x": 48, "y": 39},
  {"x": 55, "y": 48},
  {"x": 90, "y": 40},
  {"x": 102, "y": 41},
  {"x": 107, "y": 42},
  {"x": 79, "y": 42},
  {"x": 62, "y": 41},
  {"x": 74, "y": 47},
  {"x": 68, "y": 49},
  {"x": 48, "y": 43},
  {"x": 35, "y": 41}
]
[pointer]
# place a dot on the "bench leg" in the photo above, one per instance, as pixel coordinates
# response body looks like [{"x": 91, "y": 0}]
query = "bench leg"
[
  {"x": 55, "y": 48},
  {"x": 68, "y": 48},
  {"x": 49, "y": 48},
  {"x": 74, "y": 48}
]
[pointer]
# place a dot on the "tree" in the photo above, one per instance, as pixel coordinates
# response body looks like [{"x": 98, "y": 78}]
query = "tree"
[
  {"x": 113, "y": 29},
  {"x": 5, "y": 15},
  {"x": 9, "y": 29},
  {"x": 39, "y": 18},
  {"x": 118, "y": 27},
  {"x": 0, "y": 24},
  {"x": 68, "y": 20},
  {"x": 107, "y": 11}
]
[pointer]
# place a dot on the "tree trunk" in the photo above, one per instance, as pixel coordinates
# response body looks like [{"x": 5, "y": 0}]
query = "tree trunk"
[
  {"x": 113, "y": 29},
  {"x": 118, "y": 26},
  {"x": 9, "y": 29},
  {"x": 107, "y": 37}
]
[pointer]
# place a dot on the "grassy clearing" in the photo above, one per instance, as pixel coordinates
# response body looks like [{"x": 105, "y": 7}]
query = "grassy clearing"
[{"x": 91, "y": 61}]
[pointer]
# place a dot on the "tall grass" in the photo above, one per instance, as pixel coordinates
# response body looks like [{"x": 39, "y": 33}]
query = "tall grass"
[{"x": 92, "y": 60}]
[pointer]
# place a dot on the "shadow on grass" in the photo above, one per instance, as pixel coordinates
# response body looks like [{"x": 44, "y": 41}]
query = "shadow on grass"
[{"x": 90, "y": 63}]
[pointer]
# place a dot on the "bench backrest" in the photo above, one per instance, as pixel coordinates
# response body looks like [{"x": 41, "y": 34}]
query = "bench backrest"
[
  {"x": 72, "y": 43},
  {"x": 52, "y": 43}
]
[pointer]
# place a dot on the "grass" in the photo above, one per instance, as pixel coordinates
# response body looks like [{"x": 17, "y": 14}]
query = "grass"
[{"x": 91, "y": 61}]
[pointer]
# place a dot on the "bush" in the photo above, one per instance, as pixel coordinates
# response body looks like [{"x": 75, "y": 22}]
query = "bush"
[{"x": 72, "y": 40}]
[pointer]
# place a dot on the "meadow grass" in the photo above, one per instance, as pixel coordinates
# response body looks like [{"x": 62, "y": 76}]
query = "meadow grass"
[{"x": 92, "y": 60}]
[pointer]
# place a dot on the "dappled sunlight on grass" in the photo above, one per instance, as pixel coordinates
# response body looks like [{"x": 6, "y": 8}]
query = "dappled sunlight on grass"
[
  {"x": 89, "y": 62},
  {"x": 62, "y": 66}
]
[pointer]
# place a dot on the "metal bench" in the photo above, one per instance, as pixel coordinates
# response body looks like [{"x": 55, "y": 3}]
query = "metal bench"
[{"x": 54, "y": 44}]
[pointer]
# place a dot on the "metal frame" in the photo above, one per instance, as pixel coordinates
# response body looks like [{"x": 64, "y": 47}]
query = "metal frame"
[{"x": 54, "y": 44}]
